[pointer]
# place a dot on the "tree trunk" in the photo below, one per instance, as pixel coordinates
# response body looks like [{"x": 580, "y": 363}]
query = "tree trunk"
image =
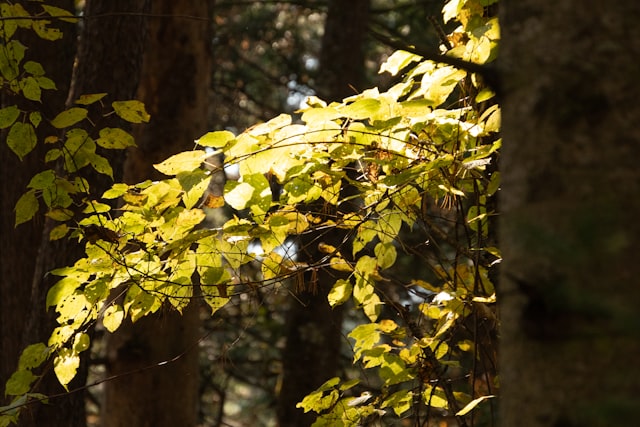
[
  {"x": 569, "y": 231},
  {"x": 314, "y": 329},
  {"x": 108, "y": 60},
  {"x": 175, "y": 89},
  {"x": 19, "y": 246}
]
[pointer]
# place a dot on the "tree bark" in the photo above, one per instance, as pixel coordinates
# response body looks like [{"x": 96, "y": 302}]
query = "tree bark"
[
  {"x": 569, "y": 231},
  {"x": 108, "y": 60},
  {"x": 175, "y": 89},
  {"x": 313, "y": 328},
  {"x": 19, "y": 246}
]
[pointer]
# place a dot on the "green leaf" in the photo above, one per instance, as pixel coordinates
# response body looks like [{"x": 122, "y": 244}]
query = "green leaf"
[
  {"x": 63, "y": 288},
  {"x": 22, "y": 139},
  {"x": 385, "y": 254},
  {"x": 46, "y": 83},
  {"x": 42, "y": 180},
  {"x": 69, "y": 117},
  {"x": 26, "y": 207},
  {"x": 340, "y": 292},
  {"x": 8, "y": 116},
  {"x": 44, "y": 32},
  {"x": 59, "y": 13},
  {"x": 366, "y": 336},
  {"x": 117, "y": 190},
  {"x": 112, "y": 318},
  {"x": 131, "y": 111},
  {"x": 216, "y": 139},
  {"x": 115, "y": 138},
  {"x": 20, "y": 382},
  {"x": 182, "y": 162},
  {"x": 90, "y": 99},
  {"x": 59, "y": 232},
  {"x": 31, "y": 89},
  {"x": 65, "y": 365},
  {"x": 35, "y": 118},
  {"x": 399, "y": 401},
  {"x": 101, "y": 165}
]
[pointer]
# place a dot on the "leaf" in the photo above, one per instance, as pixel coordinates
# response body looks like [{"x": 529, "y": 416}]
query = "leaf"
[
  {"x": 385, "y": 254},
  {"x": 131, "y": 111},
  {"x": 361, "y": 109},
  {"x": 8, "y": 116},
  {"x": 113, "y": 316},
  {"x": 115, "y": 138},
  {"x": 59, "y": 13},
  {"x": 90, "y": 99},
  {"x": 398, "y": 61},
  {"x": 34, "y": 68},
  {"x": 22, "y": 139},
  {"x": 238, "y": 194},
  {"x": 65, "y": 365},
  {"x": 69, "y": 117},
  {"x": 35, "y": 118},
  {"x": 20, "y": 382},
  {"x": 182, "y": 162},
  {"x": 59, "y": 232},
  {"x": 42, "y": 180},
  {"x": 101, "y": 165},
  {"x": 469, "y": 406},
  {"x": 26, "y": 207},
  {"x": 31, "y": 89},
  {"x": 340, "y": 292},
  {"x": 366, "y": 336},
  {"x": 399, "y": 401},
  {"x": 216, "y": 139},
  {"x": 33, "y": 356}
]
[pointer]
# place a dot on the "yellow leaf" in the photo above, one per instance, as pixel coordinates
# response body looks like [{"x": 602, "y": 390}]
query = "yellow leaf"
[{"x": 65, "y": 365}]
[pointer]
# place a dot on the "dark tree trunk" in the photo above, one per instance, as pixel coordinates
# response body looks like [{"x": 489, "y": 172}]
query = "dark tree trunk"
[
  {"x": 175, "y": 88},
  {"x": 313, "y": 329},
  {"x": 108, "y": 60},
  {"x": 570, "y": 229},
  {"x": 19, "y": 246}
]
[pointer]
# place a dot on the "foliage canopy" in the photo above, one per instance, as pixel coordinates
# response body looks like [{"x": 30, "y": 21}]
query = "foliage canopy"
[{"x": 407, "y": 176}]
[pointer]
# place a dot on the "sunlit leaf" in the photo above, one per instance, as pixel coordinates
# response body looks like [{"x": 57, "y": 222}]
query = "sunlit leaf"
[
  {"x": 182, "y": 162},
  {"x": 471, "y": 405},
  {"x": 216, "y": 139},
  {"x": 65, "y": 365},
  {"x": 340, "y": 292}
]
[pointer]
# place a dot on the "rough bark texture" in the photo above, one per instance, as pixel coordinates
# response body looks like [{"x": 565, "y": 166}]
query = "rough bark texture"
[
  {"x": 569, "y": 302},
  {"x": 19, "y": 246},
  {"x": 313, "y": 329},
  {"x": 342, "y": 53},
  {"x": 174, "y": 87},
  {"x": 108, "y": 60}
]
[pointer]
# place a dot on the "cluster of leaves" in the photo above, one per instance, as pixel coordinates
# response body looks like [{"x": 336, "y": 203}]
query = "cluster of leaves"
[
  {"x": 413, "y": 164},
  {"x": 60, "y": 190}
]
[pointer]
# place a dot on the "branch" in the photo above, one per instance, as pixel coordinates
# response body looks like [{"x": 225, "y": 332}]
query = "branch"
[{"x": 487, "y": 71}]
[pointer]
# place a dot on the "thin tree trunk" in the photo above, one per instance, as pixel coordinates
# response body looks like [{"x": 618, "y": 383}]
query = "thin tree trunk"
[
  {"x": 175, "y": 89},
  {"x": 313, "y": 329},
  {"x": 569, "y": 232}
]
